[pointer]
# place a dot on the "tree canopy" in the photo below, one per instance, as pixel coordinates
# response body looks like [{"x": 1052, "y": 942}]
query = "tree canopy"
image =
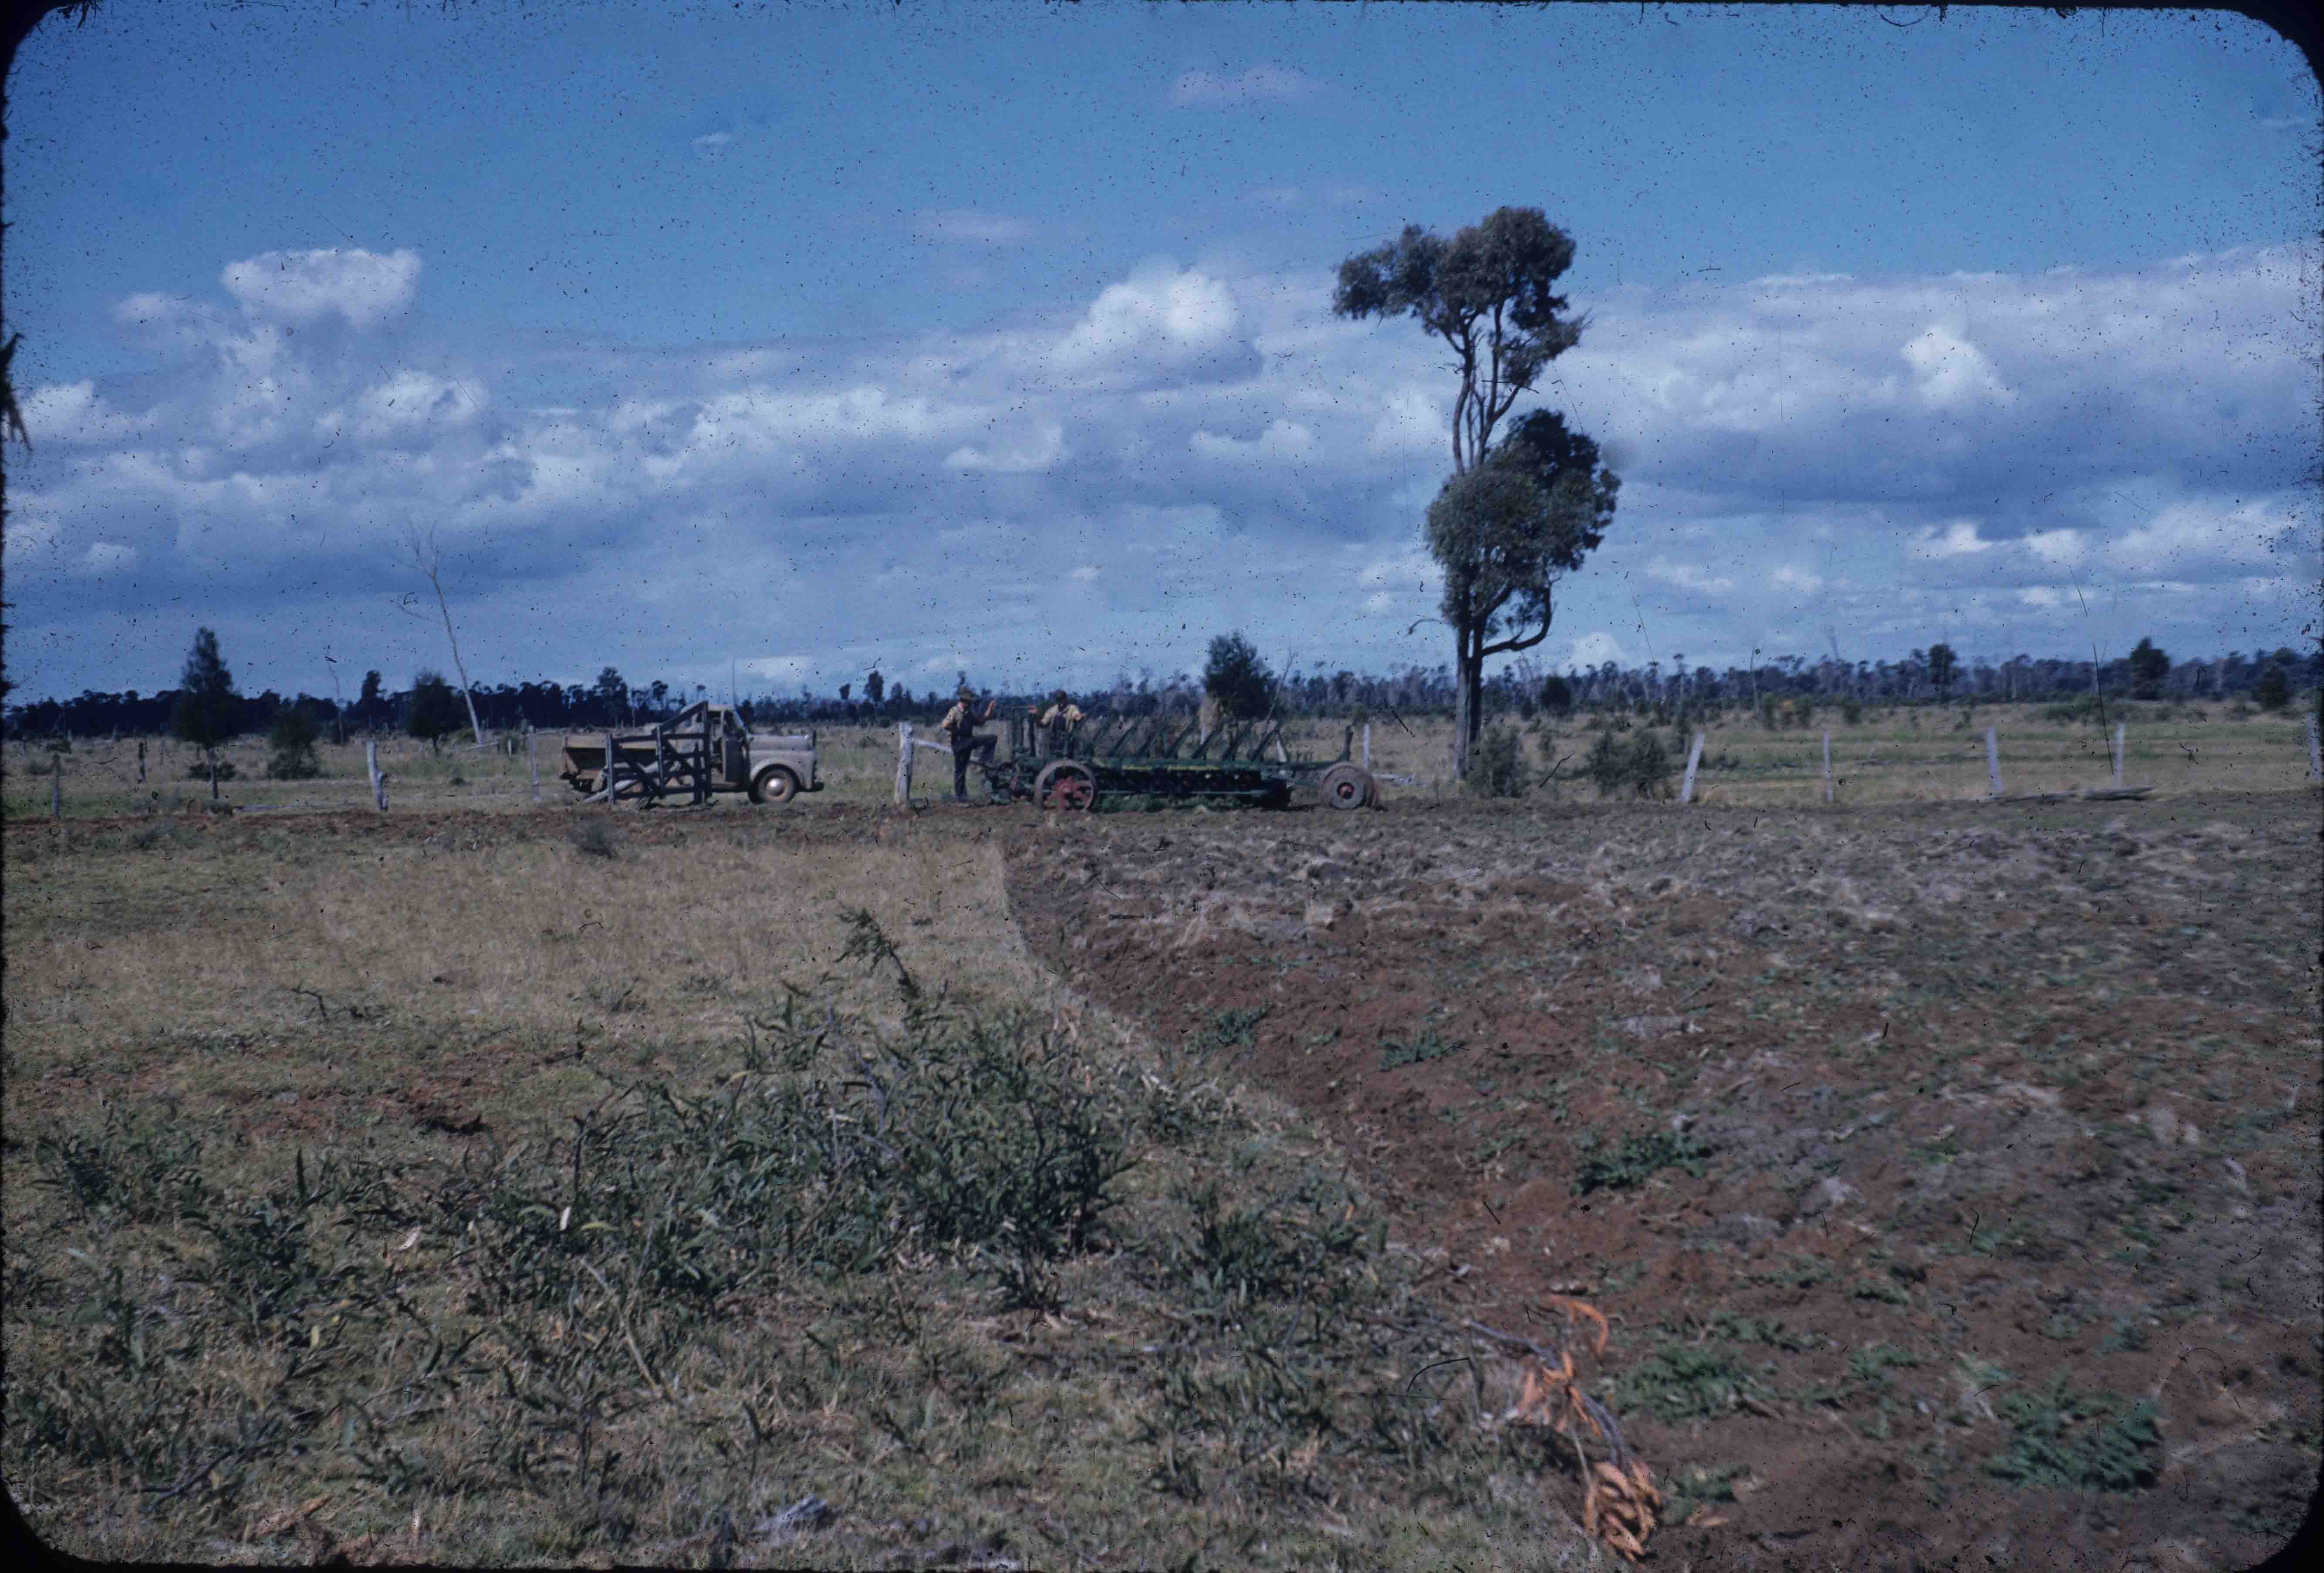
[
  {"x": 1941, "y": 662},
  {"x": 208, "y": 711},
  {"x": 2148, "y": 667},
  {"x": 1487, "y": 292},
  {"x": 1507, "y": 531},
  {"x": 1236, "y": 679},
  {"x": 432, "y": 714}
]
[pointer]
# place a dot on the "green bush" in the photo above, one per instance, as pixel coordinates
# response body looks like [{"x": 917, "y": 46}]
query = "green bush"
[
  {"x": 1851, "y": 710},
  {"x": 291, "y": 745},
  {"x": 1608, "y": 765},
  {"x": 1496, "y": 768},
  {"x": 1649, "y": 765},
  {"x": 2274, "y": 690},
  {"x": 200, "y": 772}
]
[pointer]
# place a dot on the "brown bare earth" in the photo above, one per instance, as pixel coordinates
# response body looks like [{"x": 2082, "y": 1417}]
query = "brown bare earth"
[{"x": 1980, "y": 1101}]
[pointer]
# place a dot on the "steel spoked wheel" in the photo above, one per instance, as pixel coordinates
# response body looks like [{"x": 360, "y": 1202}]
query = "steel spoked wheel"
[
  {"x": 1346, "y": 786},
  {"x": 775, "y": 786},
  {"x": 1065, "y": 785}
]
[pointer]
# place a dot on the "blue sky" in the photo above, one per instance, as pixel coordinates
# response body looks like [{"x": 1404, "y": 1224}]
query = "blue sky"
[{"x": 794, "y": 339}]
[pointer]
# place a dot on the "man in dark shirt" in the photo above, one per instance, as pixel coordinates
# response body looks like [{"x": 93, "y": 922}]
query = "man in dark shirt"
[{"x": 960, "y": 725}]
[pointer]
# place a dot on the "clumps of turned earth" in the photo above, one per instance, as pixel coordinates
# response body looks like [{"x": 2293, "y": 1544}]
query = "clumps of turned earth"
[{"x": 2001, "y": 1114}]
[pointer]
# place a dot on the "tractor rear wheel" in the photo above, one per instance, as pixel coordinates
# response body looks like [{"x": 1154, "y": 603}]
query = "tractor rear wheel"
[{"x": 1065, "y": 784}]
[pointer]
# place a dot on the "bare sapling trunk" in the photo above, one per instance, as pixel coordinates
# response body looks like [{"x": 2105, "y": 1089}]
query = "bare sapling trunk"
[
  {"x": 212, "y": 754},
  {"x": 430, "y": 563}
]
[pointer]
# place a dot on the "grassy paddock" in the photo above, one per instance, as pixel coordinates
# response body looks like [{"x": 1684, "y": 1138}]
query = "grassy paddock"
[
  {"x": 1902, "y": 755},
  {"x": 473, "y": 1190}
]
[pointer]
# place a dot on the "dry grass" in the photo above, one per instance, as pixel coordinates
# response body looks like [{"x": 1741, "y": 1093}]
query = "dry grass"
[
  {"x": 1893, "y": 756},
  {"x": 379, "y": 1032},
  {"x": 1909, "y": 756}
]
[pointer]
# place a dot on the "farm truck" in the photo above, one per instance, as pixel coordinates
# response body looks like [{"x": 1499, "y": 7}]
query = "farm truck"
[{"x": 702, "y": 750}]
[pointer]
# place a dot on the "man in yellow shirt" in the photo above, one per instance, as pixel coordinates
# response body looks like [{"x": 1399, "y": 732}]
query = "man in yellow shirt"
[{"x": 960, "y": 725}]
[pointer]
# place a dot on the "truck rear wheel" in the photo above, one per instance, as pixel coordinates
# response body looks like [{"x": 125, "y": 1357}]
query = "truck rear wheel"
[{"x": 774, "y": 785}]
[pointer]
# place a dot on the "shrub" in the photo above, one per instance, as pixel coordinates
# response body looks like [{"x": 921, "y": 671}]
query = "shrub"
[
  {"x": 1608, "y": 765},
  {"x": 1649, "y": 765},
  {"x": 291, "y": 745},
  {"x": 1496, "y": 768},
  {"x": 1556, "y": 696},
  {"x": 2274, "y": 690},
  {"x": 1851, "y": 710},
  {"x": 198, "y": 771}
]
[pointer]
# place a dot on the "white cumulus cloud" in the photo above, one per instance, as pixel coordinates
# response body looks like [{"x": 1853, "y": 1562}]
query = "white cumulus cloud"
[
  {"x": 1160, "y": 319},
  {"x": 1951, "y": 372},
  {"x": 1594, "y": 650},
  {"x": 1688, "y": 577},
  {"x": 302, "y": 286},
  {"x": 1958, "y": 538}
]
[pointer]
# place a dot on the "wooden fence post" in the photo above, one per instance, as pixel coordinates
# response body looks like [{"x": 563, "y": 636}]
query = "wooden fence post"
[
  {"x": 2119, "y": 729},
  {"x": 1693, "y": 758},
  {"x": 378, "y": 781},
  {"x": 141, "y": 761},
  {"x": 1826, "y": 764},
  {"x": 55, "y": 785},
  {"x": 532, "y": 759},
  {"x": 1993, "y": 760},
  {"x": 904, "y": 762},
  {"x": 1368, "y": 745},
  {"x": 2315, "y": 754}
]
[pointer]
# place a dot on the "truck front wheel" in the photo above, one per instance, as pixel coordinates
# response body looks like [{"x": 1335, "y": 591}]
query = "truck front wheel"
[{"x": 775, "y": 784}]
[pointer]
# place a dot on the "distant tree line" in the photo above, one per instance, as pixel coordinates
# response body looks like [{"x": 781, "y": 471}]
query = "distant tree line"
[{"x": 1241, "y": 683}]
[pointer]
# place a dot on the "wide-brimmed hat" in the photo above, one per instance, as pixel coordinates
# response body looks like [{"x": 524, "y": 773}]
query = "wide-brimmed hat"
[{"x": 1060, "y": 697}]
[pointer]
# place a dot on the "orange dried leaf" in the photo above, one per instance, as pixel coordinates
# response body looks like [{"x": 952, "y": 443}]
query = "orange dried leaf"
[{"x": 1578, "y": 1309}]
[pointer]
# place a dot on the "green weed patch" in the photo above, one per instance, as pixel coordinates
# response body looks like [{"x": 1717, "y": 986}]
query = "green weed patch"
[
  {"x": 1425, "y": 1045},
  {"x": 1226, "y": 1030},
  {"x": 2088, "y": 1440},
  {"x": 1683, "y": 1382},
  {"x": 1637, "y": 1159}
]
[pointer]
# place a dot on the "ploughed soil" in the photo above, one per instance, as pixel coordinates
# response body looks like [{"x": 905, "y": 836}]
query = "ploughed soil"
[{"x": 1920, "y": 1154}]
